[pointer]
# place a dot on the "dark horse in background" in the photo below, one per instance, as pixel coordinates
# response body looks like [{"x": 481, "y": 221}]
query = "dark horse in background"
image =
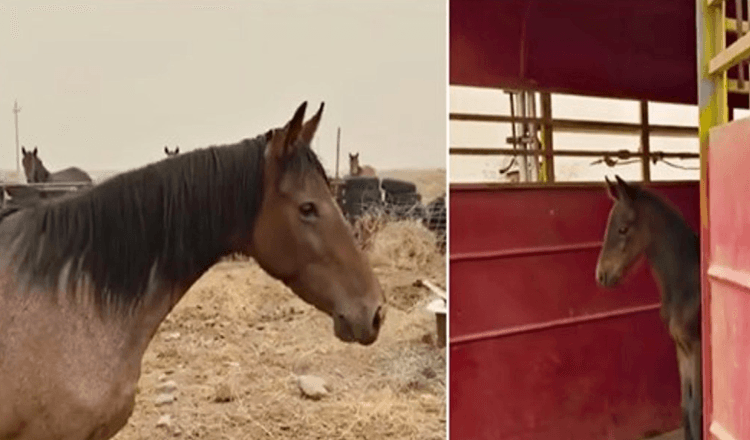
[
  {"x": 36, "y": 172},
  {"x": 643, "y": 224},
  {"x": 86, "y": 280}
]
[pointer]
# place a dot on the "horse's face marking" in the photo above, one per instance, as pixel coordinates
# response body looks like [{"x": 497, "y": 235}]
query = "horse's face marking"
[
  {"x": 301, "y": 237},
  {"x": 626, "y": 238}
]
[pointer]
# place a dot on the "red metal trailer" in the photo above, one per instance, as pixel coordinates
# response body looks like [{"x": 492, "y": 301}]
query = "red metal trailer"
[{"x": 537, "y": 350}]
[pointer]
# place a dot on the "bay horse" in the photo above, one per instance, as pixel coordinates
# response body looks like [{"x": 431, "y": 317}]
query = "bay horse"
[
  {"x": 86, "y": 280},
  {"x": 174, "y": 152},
  {"x": 36, "y": 172},
  {"x": 356, "y": 170},
  {"x": 642, "y": 224}
]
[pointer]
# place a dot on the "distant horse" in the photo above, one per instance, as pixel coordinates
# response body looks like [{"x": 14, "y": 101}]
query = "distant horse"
[
  {"x": 86, "y": 280},
  {"x": 643, "y": 224},
  {"x": 171, "y": 153},
  {"x": 37, "y": 173},
  {"x": 356, "y": 170}
]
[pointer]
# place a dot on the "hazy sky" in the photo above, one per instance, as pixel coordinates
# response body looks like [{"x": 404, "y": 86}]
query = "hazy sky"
[{"x": 107, "y": 84}]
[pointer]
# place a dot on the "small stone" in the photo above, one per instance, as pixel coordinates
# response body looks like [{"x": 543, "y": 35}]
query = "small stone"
[
  {"x": 312, "y": 386},
  {"x": 172, "y": 336},
  {"x": 223, "y": 393},
  {"x": 169, "y": 386},
  {"x": 164, "y": 421},
  {"x": 164, "y": 399}
]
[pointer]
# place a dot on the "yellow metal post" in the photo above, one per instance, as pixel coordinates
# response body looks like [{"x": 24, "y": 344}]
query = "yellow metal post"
[{"x": 713, "y": 111}]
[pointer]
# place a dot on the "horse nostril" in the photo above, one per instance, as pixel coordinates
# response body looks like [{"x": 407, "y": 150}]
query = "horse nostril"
[{"x": 377, "y": 321}]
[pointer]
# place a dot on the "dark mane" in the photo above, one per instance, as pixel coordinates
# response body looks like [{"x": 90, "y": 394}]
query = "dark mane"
[
  {"x": 181, "y": 214},
  {"x": 679, "y": 228}
]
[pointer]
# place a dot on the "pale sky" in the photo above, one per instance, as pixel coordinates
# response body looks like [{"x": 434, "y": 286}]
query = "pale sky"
[{"x": 105, "y": 85}]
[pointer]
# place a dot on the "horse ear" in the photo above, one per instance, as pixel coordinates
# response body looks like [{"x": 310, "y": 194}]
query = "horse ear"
[
  {"x": 282, "y": 142},
  {"x": 311, "y": 126},
  {"x": 177, "y": 150},
  {"x": 611, "y": 189},
  {"x": 166, "y": 150},
  {"x": 624, "y": 190},
  {"x": 34, "y": 151},
  {"x": 23, "y": 150}
]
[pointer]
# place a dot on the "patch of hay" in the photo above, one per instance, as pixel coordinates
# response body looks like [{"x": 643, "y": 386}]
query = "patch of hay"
[{"x": 405, "y": 244}]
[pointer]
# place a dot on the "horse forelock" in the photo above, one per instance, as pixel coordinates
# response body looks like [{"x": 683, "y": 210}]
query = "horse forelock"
[{"x": 167, "y": 221}]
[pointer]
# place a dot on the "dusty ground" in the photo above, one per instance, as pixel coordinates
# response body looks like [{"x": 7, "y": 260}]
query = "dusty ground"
[{"x": 237, "y": 341}]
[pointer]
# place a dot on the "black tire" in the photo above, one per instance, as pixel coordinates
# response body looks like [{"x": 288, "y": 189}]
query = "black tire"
[
  {"x": 396, "y": 186},
  {"x": 436, "y": 215},
  {"x": 403, "y": 199},
  {"x": 361, "y": 184}
]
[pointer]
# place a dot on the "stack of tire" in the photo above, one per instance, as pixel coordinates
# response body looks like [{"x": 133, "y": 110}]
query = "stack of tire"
[
  {"x": 360, "y": 194},
  {"x": 402, "y": 199},
  {"x": 436, "y": 218}
]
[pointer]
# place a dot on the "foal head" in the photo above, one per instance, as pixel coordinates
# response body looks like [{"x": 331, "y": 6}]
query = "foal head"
[
  {"x": 353, "y": 164},
  {"x": 627, "y": 235},
  {"x": 32, "y": 166},
  {"x": 175, "y": 152},
  {"x": 301, "y": 237}
]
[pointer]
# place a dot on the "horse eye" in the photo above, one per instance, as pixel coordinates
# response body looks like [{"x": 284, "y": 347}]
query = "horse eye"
[
  {"x": 623, "y": 230},
  {"x": 308, "y": 210}
]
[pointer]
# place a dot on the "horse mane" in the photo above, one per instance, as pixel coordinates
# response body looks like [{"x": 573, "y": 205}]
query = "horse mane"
[
  {"x": 679, "y": 226},
  {"x": 173, "y": 216}
]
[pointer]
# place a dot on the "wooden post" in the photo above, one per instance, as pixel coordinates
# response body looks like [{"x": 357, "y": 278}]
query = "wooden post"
[
  {"x": 338, "y": 150},
  {"x": 16, "y": 110},
  {"x": 645, "y": 142},
  {"x": 549, "y": 159}
]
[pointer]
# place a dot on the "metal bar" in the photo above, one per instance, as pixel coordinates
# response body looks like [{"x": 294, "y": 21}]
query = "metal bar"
[
  {"x": 645, "y": 143},
  {"x": 712, "y": 111},
  {"x": 547, "y": 144},
  {"x": 712, "y": 3},
  {"x": 734, "y": 87},
  {"x": 564, "y": 322},
  {"x": 575, "y": 125},
  {"x": 740, "y": 33},
  {"x": 467, "y": 151},
  {"x": 534, "y": 130},
  {"x": 524, "y": 252},
  {"x": 730, "y": 276},
  {"x": 736, "y": 52}
]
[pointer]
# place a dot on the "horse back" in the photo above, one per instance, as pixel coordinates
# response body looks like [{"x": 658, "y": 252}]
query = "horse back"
[{"x": 72, "y": 174}]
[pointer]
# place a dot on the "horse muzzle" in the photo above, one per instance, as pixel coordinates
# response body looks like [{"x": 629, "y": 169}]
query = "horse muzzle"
[{"x": 363, "y": 328}]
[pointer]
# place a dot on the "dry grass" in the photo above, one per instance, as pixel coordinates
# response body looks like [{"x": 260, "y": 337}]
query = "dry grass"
[{"x": 244, "y": 337}]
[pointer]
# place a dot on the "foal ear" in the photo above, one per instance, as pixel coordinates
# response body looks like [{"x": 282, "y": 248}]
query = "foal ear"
[
  {"x": 23, "y": 150},
  {"x": 611, "y": 189},
  {"x": 177, "y": 150},
  {"x": 311, "y": 126},
  {"x": 625, "y": 191},
  {"x": 166, "y": 150}
]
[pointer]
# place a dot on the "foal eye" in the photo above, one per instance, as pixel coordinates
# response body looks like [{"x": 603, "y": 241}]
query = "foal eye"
[
  {"x": 308, "y": 210},
  {"x": 623, "y": 230}
]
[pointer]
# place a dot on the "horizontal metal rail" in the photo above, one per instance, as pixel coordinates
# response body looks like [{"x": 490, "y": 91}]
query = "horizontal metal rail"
[
  {"x": 620, "y": 154},
  {"x": 582, "y": 126},
  {"x": 548, "y": 325},
  {"x": 729, "y": 57}
]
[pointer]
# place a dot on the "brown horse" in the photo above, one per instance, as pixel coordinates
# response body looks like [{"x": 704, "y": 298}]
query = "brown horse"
[
  {"x": 86, "y": 280},
  {"x": 175, "y": 152},
  {"x": 643, "y": 224},
  {"x": 356, "y": 170},
  {"x": 37, "y": 173}
]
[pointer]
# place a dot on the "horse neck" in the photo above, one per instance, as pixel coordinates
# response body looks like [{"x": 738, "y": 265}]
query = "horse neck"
[
  {"x": 672, "y": 254},
  {"x": 41, "y": 173}
]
